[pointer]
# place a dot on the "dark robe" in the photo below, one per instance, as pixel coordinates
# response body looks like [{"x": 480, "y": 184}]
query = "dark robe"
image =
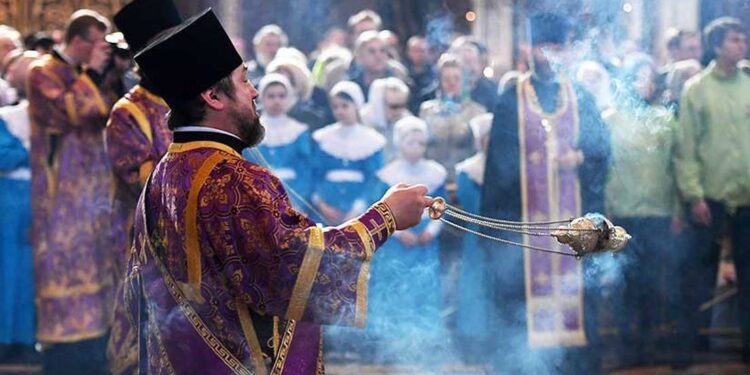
[{"x": 501, "y": 198}]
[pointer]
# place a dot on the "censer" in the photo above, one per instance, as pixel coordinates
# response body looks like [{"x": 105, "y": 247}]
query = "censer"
[{"x": 586, "y": 235}]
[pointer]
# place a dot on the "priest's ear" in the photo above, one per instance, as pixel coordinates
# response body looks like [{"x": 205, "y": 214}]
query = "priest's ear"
[{"x": 213, "y": 98}]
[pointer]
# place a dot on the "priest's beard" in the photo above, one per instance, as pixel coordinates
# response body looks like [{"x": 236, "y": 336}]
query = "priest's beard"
[{"x": 251, "y": 130}]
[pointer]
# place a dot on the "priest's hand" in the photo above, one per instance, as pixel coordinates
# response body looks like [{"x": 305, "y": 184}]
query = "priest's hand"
[
  {"x": 407, "y": 203},
  {"x": 100, "y": 56}
]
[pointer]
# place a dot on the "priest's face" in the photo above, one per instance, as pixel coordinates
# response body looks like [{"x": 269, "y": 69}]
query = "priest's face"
[
  {"x": 242, "y": 110},
  {"x": 546, "y": 57}
]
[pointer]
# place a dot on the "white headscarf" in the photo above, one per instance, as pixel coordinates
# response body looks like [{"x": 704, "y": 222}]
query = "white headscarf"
[
  {"x": 272, "y": 78},
  {"x": 352, "y": 90},
  {"x": 301, "y": 75},
  {"x": 406, "y": 126},
  {"x": 278, "y": 78},
  {"x": 373, "y": 112}
]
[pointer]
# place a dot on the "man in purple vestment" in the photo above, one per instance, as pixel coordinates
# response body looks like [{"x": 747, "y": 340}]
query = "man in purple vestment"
[
  {"x": 71, "y": 187},
  {"x": 547, "y": 160},
  {"x": 224, "y": 275},
  {"x": 137, "y": 135}
]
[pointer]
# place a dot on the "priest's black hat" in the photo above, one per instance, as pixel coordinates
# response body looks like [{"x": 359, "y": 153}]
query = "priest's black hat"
[
  {"x": 141, "y": 20},
  {"x": 189, "y": 58},
  {"x": 548, "y": 28}
]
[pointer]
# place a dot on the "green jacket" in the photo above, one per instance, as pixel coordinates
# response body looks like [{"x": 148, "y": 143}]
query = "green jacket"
[
  {"x": 712, "y": 156},
  {"x": 641, "y": 180}
]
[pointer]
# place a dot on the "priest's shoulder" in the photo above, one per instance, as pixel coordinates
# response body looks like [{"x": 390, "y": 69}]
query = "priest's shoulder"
[
  {"x": 46, "y": 61},
  {"x": 508, "y": 96},
  {"x": 250, "y": 173},
  {"x": 47, "y": 64}
]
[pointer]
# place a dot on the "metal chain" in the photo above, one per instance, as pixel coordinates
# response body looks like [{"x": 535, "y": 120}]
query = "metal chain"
[
  {"x": 516, "y": 229},
  {"x": 450, "y": 207},
  {"x": 507, "y": 242}
]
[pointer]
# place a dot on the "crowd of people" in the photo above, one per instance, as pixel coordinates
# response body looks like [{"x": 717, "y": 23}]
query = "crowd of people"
[{"x": 662, "y": 150}]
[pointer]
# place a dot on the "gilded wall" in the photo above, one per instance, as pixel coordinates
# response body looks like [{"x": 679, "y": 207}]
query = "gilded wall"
[{"x": 35, "y": 15}]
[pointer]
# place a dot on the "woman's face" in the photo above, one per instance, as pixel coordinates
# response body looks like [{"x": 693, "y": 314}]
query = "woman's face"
[
  {"x": 344, "y": 110},
  {"x": 395, "y": 105},
  {"x": 413, "y": 146},
  {"x": 274, "y": 100},
  {"x": 451, "y": 79}
]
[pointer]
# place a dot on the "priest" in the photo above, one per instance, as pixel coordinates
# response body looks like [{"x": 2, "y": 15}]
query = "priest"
[
  {"x": 137, "y": 135},
  {"x": 225, "y": 277},
  {"x": 547, "y": 160}
]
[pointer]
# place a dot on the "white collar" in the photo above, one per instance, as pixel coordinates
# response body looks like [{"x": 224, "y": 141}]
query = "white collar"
[
  {"x": 205, "y": 129},
  {"x": 281, "y": 130},
  {"x": 474, "y": 167},
  {"x": 427, "y": 172},
  {"x": 68, "y": 60},
  {"x": 352, "y": 143}
]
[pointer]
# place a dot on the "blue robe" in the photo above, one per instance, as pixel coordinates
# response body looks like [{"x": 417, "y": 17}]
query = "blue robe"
[
  {"x": 346, "y": 159},
  {"x": 473, "y": 289},
  {"x": 405, "y": 309},
  {"x": 285, "y": 149},
  {"x": 17, "y": 314}
]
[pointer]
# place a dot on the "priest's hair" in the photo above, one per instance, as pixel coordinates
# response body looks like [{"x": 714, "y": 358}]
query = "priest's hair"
[{"x": 193, "y": 111}]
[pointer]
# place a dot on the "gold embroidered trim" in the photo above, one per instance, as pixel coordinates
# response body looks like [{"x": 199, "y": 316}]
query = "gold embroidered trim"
[
  {"x": 536, "y": 107},
  {"x": 163, "y": 356},
  {"x": 184, "y": 147},
  {"x": 73, "y": 291},
  {"x": 246, "y": 321},
  {"x": 61, "y": 339},
  {"x": 139, "y": 117},
  {"x": 387, "y": 214},
  {"x": 360, "y": 315},
  {"x": 286, "y": 343},
  {"x": 144, "y": 171},
  {"x": 320, "y": 364},
  {"x": 192, "y": 243},
  {"x": 306, "y": 277},
  {"x": 195, "y": 320},
  {"x": 97, "y": 95},
  {"x": 150, "y": 95},
  {"x": 70, "y": 108}
]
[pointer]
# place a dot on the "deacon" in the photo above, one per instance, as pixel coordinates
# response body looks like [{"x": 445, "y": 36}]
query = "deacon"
[
  {"x": 547, "y": 160},
  {"x": 225, "y": 277},
  {"x": 71, "y": 186},
  {"x": 137, "y": 135}
]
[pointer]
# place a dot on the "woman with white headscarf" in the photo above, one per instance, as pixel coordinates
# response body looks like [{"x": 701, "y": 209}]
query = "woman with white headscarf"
[
  {"x": 346, "y": 155},
  {"x": 405, "y": 313},
  {"x": 287, "y": 141},
  {"x": 309, "y": 103},
  {"x": 389, "y": 102},
  {"x": 448, "y": 116}
]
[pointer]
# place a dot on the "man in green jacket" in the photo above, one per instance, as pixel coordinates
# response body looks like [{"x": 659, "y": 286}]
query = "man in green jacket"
[{"x": 712, "y": 163}]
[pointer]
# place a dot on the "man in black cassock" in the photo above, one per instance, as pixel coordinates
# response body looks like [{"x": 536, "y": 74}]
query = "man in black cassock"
[{"x": 547, "y": 160}]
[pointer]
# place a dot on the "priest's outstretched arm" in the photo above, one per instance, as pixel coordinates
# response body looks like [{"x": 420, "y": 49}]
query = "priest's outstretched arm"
[{"x": 287, "y": 265}]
